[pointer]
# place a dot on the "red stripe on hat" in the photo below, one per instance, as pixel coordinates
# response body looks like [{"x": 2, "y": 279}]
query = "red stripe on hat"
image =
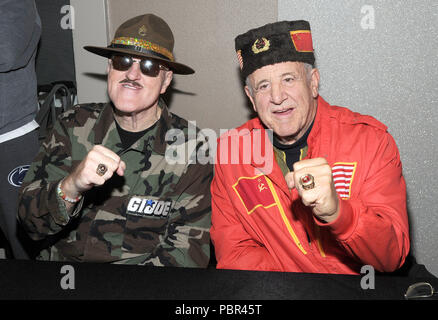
[{"x": 302, "y": 40}]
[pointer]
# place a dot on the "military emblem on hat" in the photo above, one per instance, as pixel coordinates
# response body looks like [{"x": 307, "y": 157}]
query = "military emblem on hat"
[
  {"x": 142, "y": 31},
  {"x": 261, "y": 45}
]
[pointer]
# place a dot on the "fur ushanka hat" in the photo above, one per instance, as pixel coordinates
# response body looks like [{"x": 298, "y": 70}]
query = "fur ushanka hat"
[{"x": 274, "y": 43}]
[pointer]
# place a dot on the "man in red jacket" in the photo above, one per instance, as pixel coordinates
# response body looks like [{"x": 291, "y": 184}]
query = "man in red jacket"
[{"x": 330, "y": 197}]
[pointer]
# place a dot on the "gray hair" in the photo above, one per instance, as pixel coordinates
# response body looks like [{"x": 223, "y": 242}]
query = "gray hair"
[{"x": 307, "y": 67}]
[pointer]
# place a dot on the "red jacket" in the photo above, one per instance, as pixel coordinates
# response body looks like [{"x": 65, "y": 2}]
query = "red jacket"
[{"x": 259, "y": 224}]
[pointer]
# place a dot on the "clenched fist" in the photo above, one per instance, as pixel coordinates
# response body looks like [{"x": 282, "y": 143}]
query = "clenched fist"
[
  {"x": 322, "y": 198},
  {"x": 84, "y": 177}
]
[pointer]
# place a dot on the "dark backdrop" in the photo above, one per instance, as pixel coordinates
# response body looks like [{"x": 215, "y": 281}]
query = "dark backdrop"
[{"x": 55, "y": 59}]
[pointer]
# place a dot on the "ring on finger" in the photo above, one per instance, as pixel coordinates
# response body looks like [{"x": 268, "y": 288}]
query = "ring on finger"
[
  {"x": 307, "y": 181},
  {"x": 101, "y": 169}
]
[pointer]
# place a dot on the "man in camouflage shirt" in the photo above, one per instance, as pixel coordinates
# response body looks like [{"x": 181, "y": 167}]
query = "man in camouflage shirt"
[{"x": 101, "y": 188}]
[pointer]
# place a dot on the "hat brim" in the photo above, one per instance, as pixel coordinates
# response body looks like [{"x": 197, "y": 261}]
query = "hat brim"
[{"x": 106, "y": 52}]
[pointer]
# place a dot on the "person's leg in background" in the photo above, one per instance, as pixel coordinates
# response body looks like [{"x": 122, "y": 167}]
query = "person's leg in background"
[{"x": 16, "y": 156}]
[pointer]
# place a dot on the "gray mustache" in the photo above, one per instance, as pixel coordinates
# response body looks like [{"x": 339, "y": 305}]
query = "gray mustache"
[{"x": 131, "y": 82}]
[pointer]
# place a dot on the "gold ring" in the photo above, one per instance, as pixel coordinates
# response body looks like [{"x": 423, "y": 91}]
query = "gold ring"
[
  {"x": 101, "y": 169},
  {"x": 307, "y": 181}
]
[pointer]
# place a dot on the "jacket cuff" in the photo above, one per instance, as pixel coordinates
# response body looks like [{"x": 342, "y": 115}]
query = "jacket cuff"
[
  {"x": 57, "y": 208},
  {"x": 343, "y": 226}
]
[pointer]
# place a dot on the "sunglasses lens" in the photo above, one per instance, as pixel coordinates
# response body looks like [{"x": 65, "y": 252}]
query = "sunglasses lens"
[
  {"x": 121, "y": 63},
  {"x": 149, "y": 67}
]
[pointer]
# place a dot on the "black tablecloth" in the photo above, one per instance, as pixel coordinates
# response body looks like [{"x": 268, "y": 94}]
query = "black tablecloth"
[{"x": 21, "y": 279}]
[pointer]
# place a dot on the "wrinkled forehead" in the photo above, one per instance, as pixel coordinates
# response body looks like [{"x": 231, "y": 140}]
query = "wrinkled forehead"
[{"x": 278, "y": 70}]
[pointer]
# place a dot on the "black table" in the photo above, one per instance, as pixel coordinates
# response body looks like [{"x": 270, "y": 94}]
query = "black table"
[{"x": 21, "y": 279}]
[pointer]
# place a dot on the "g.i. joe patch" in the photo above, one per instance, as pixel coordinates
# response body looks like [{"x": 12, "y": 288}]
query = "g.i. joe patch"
[
  {"x": 343, "y": 175},
  {"x": 254, "y": 192},
  {"x": 302, "y": 40},
  {"x": 146, "y": 207}
]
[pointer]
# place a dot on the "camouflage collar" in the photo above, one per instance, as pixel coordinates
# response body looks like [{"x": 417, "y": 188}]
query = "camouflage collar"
[{"x": 106, "y": 122}]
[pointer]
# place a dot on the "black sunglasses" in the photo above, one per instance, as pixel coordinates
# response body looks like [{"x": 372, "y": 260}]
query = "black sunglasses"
[{"x": 148, "y": 67}]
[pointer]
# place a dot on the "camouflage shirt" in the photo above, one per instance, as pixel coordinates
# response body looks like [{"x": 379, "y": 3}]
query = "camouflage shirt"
[{"x": 158, "y": 213}]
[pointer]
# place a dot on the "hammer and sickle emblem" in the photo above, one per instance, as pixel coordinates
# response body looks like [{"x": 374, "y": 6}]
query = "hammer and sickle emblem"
[{"x": 261, "y": 186}]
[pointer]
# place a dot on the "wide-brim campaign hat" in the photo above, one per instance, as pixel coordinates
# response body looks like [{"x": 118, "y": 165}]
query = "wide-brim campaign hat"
[
  {"x": 144, "y": 36},
  {"x": 274, "y": 43}
]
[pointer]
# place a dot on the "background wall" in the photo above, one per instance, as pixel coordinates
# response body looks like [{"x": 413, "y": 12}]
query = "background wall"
[
  {"x": 375, "y": 57},
  {"x": 55, "y": 58},
  {"x": 90, "y": 28}
]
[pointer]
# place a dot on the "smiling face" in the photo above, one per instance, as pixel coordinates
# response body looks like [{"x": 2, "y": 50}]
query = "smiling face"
[
  {"x": 284, "y": 95},
  {"x": 134, "y": 93}
]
